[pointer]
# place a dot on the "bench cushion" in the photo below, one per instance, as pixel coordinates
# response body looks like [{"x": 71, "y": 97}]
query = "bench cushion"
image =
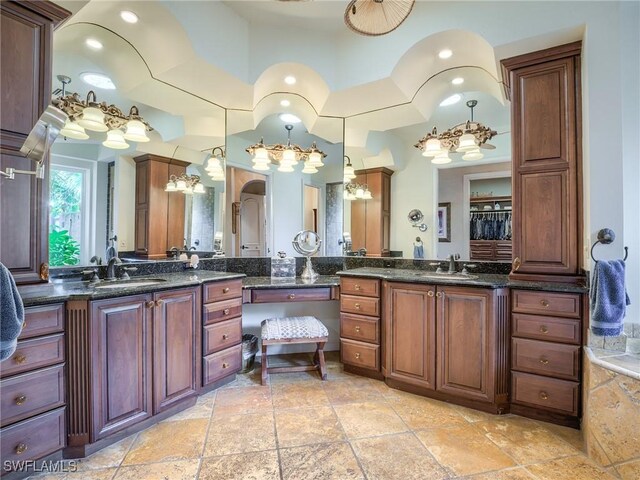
[{"x": 293, "y": 327}]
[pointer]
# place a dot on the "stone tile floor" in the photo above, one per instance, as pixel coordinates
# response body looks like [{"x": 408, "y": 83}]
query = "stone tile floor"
[{"x": 348, "y": 427}]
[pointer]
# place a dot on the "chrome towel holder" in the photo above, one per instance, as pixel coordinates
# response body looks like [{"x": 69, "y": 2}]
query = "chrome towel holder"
[{"x": 607, "y": 236}]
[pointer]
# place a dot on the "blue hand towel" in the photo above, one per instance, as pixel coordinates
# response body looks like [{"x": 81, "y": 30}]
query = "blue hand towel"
[
  {"x": 418, "y": 251},
  {"x": 608, "y": 298},
  {"x": 11, "y": 313}
]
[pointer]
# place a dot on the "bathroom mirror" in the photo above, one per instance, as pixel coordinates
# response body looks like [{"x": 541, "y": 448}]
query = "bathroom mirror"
[{"x": 307, "y": 243}]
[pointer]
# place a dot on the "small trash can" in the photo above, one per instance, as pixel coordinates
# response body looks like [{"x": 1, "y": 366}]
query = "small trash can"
[{"x": 249, "y": 350}]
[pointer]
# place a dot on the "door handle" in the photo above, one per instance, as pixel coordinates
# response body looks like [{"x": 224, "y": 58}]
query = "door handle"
[{"x": 516, "y": 264}]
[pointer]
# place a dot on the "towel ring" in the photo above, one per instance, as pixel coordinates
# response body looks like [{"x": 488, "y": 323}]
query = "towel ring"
[{"x": 607, "y": 236}]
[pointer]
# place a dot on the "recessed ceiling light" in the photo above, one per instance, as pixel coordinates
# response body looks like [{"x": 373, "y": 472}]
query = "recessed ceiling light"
[
  {"x": 444, "y": 54},
  {"x": 285, "y": 103},
  {"x": 93, "y": 43},
  {"x": 451, "y": 100},
  {"x": 290, "y": 80},
  {"x": 98, "y": 80},
  {"x": 457, "y": 81},
  {"x": 128, "y": 16},
  {"x": 289, "y": 118}
]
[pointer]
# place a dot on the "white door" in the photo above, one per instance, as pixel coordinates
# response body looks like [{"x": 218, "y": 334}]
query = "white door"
[{"x": 251, "y": 225}]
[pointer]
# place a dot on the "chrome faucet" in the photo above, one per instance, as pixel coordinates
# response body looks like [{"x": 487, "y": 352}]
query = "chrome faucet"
[
  {"x": 452, "y": 262},
  {"x": 111, "y": 268}
]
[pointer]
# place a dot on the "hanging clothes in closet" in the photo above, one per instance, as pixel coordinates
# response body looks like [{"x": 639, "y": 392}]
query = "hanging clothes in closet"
[{"x": 490, "y": 226}]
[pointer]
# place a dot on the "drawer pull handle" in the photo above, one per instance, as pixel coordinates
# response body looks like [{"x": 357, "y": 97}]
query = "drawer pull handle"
[
  {"x": 357, "y": 356},
  {"x": 544, "y": 361},
  {"x": 20, "y": 358},
  {"x": 544, "y": 303},
  {"x": 357, "y": 305},
  {"x": 430, "y": 293},
  {"x": 439, "y": 294},
  {"x": 357, "y": 287},
  {"x": 357, "y": 329},
  {"x": 21, "y": 399},
  {"x": 225, "y": 336},
  {"x": 225, "y": 365},
  {"x": 159, "y": 303},
  {"x": 21, "y": 448},
  {"x": 544, "y": 395},
  {"x": 150, "y": 304},
  {"x": 225, "y": 290},
  {"x": 226, "y": 311},
  {"x": 291, "y": 296},
  {"x": 544, "y": 329},
  {"x": 24, "y": 325}
]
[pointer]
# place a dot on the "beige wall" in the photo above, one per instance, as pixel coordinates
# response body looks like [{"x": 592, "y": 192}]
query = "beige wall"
[
  {"x": 311, "y": 202},
  {"x": 124, "y": 202}
]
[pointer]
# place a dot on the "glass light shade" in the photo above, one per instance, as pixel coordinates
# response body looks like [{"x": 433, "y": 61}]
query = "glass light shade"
[
  {"x": 261, "y": 166},
  {"x": 285, "y": 168},
  {"x": 188, "y": 190},
  {"x": 432, "y": 148},
  {"x": 467, "y": 142},
  {"x": 441, "y": 159},
  {"x": 473, "y": 155},
  {"x": 171, "y": 187},
  {"x": 260, "y": 153},
  {"x": 309, "y": 168},
  {"x": 136, "y": 131},
  {"x": 93, "y": 119},
  {"x": 289, "y": 156},
  {"x": 367, "y": 195},
  {"x": 349, "y": 172},
  {"x": 115, "y": 139},
  {"x": 347, "y": 195},
  {"x": 351, "y": 197},
  {"x": 213, "y": 164},
  {"x": 199, "y": 188},
  {"x": 359, "y": 192},
  {"x": 315, "y": 159},
  {"x": 181, "y": 185},
  {"x": 73, "y": 130}
]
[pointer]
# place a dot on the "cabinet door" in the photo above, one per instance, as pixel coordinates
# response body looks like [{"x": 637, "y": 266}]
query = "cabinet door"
[
  {"x": 176, "y": 346},
  {"x": 120, "y": 331},
  {"x": 410, "y": 334},
  {"x": 465, "y": 333}
]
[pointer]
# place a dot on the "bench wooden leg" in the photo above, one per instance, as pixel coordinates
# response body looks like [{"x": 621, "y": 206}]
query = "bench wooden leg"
[
  {"x": 265, "y": 373},
  {"x": 320, "y": 357}
]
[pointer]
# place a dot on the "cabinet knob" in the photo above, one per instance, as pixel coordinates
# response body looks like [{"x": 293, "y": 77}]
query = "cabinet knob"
[
  {"x": 357, "y": 287},
  {"x": 357, "y": 329},
  {"x": 544, "y": 329},
  {"x": 225, "y": 290},
  {"x": 544, "y": 303},
  {"x": 430, "y": 293},
  {"x": 291, "y": 296},
  {"x": 159, "y": 303},
  {"x": 21, "y": 448},
  {"x": 516, "y": 264},
  {"x": 357, "y": 306},
  {"x": 225, "y": 336},
  {"x": 544, "y": 395},
  {"x": 225, "y": 365},
  {"x": 20, "y": 358},
  {"x": 439, "y": 294},
  {"x": 24, "y": 324},
  {"x": 357, "y": 356},
  {"x": 544, "y": 361},
  {"x": 150, "y": 304},
  {"x": 226, "y": 311},
  {"x": 21, "y": 399}
]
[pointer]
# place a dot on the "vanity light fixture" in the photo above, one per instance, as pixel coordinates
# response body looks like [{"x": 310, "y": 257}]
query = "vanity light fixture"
[
  {"x": 349, "y": 171},
  {"x": 99, "y": 117},
  {"x": 216, "y": 165},
  {"x": 93, "y": 43},
  {"x": 128, "y": 16},
  {"x": 187, "y": 184},
  {"x": 467, "y": 138},
  {"x": 356, "y": 191},
  {"x": 286, "y": 155}
]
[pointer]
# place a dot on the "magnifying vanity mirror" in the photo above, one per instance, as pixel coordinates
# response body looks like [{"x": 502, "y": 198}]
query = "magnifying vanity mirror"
[
  {"x": 307, "y": 243},
  {"x": 415, "y": 217}
]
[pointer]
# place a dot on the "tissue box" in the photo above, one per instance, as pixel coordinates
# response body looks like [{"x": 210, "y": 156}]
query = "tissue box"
[{"x": 283, "y": 267}]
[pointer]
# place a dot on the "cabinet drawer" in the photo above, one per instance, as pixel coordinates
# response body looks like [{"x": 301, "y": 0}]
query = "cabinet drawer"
[
  {"x": 216, "y": 291},
  {"x": 27, "y": 395},
  {"x": 503, "y": 250},
  {"x": 544, "y": 392},
  {"x": 42, "y": 320},
  {"x": 33, "y": 438},
  {"x": 34, "y": 353},
  {"x": 547, "y": 303},
  {"x": 367, "y": 287},
  {"x": 546, "y": 358},
  {"x": 221, "y": 364},
  {"x": 219, "y": 311},
  {"x": 276, "y": 295},
  {"x": 221, "y": 335},
  {"x": 361, "y": 305},
  {"x": 359, "y": 354},
  {"x": 546, "y": 328},
  {"x": 360, "y": 328}
]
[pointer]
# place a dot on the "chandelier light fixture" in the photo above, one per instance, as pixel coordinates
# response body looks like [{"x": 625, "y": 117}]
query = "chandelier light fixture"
[
  {"x": 99, "y": 117},
  {"x": 376, "y": 17},
  {"x": 467, "y": 138},
  {"x": 286, "y": 155},
  {"x": 187, "y": 184},
  {"x": 349, "y": 171},
  {"x": 216, "y": 165},
  {"x": 354, "y": 191}
]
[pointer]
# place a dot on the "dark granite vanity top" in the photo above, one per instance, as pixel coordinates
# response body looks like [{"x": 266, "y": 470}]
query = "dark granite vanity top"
[
  {"x": 297, "y": 282},
  {"x": 485, "y": 280}
]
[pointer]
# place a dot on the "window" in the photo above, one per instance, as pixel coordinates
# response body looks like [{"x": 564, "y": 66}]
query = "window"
[{"x": 67, "y": 216}]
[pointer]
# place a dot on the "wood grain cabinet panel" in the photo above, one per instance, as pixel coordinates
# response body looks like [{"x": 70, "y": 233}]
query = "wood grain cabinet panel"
[
  {"x": 360, "y": 354},
  {"x": 553, "y": 329},
  {"x": 271, "y": 295},
  {"x": 411, "y": 334},
  {"x": 216, "y": 291},
  {"x": 34, "y": 353},
  {"x": 546, "y": 358},
  {"x": 547, "y": 303},
  {"x": 221, "y": 364},
  {"x": 221, "y": 311},
  {"x": 121, "y": 363},
  {"x": 222, "y": 335},
  {"x": 42, "y": 320},
  {"x": 360, "y": 305},
  {"x": 176, "y": 341},
  {"x": 561, "y": 396},
  {"x": 359, "y": 327},
  {"x": 366, "y": 287}
]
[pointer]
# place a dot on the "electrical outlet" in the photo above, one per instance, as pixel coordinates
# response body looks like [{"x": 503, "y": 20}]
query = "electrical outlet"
[{"x": 123, "y": 243}]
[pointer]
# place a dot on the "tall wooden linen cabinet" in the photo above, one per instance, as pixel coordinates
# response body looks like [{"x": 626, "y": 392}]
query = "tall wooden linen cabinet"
[{"x": 26, "y": 37}]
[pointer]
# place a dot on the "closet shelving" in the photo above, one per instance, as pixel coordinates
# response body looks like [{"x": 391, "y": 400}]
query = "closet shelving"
[{"x": 498, "y": 246}]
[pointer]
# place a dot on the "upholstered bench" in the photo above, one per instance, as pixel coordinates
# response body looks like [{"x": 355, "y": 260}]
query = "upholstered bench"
[{"x": 287, "y": 330}]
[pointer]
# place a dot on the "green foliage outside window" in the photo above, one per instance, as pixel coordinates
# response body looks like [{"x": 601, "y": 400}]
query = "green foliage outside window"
[
  {"x": 63, "y": 249},
  {"x": 65, "y": 199}
]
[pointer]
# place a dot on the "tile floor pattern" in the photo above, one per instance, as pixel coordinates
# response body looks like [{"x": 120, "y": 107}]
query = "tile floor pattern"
[{"x": 348, "y": 427}]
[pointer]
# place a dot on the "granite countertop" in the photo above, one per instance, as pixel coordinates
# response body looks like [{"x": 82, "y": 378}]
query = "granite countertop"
[
  {"x": 59, "y": 292},
  {"x": 485, "y": 280},
  {"x": 270, "y": 282}
]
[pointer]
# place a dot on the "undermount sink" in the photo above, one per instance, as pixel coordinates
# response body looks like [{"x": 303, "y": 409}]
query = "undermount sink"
[
  {"x": 130, "y": 283},
  {"x": 447, "y": 276}
]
